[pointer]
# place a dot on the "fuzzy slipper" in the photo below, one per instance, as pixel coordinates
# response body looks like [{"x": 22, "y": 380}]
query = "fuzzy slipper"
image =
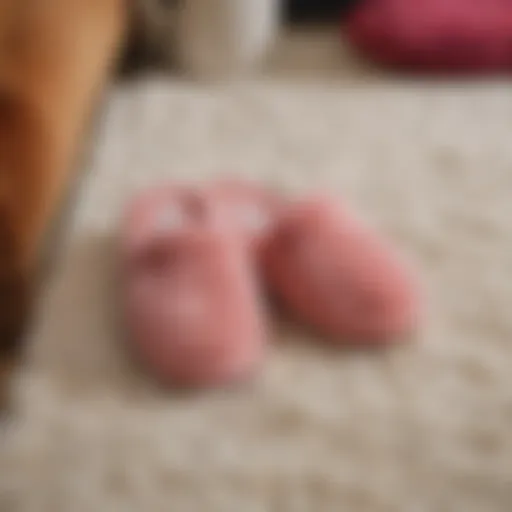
[
  {"x": 191, "y": 302},
  {"x": 335, "y": 274}
]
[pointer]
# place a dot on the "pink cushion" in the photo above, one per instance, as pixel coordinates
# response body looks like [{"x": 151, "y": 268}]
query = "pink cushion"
[{"x": 442, "y": 35}]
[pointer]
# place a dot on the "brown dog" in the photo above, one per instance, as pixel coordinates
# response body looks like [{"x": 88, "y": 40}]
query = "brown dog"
[{"x": 55, "y": 56}]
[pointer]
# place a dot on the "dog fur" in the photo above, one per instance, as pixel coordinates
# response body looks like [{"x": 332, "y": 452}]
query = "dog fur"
[{"x": 55, "y": 57}]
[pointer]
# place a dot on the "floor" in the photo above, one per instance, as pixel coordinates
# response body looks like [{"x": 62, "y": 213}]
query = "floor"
[{"x": 422, "y": 427}]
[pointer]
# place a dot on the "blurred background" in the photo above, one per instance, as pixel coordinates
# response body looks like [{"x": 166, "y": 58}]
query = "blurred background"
[{"x": 403, "y": 109}]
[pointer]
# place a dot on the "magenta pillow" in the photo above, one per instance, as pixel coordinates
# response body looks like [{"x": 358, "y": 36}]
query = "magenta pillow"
[{"x": 436, "y": 35}]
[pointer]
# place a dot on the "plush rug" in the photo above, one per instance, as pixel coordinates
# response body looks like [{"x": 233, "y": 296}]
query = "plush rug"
[{"x": 423, "y": 427}]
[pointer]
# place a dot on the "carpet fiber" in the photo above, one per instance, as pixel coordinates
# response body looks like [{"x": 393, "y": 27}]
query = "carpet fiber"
[{"x": 425, "y": 427}]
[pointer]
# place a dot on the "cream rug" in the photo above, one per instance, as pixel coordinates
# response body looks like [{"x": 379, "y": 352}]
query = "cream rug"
[{"x": 425, "y": 427}]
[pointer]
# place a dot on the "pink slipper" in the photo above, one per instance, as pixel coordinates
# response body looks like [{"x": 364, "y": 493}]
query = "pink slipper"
[
  {"x": 191, "y": 301},
  {"x": 335, "y": 274}
]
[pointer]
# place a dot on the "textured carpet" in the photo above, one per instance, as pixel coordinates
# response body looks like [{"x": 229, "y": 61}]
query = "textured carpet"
[{"x": 425, "y": 427}]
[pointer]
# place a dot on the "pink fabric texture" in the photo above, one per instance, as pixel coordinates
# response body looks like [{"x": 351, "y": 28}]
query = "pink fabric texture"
[
  {"x": 336, "y": 275},
  {"x": 191, "y": 306},
  {"x": 435, "y": 35},
  {"x": 193, "y": 262}
]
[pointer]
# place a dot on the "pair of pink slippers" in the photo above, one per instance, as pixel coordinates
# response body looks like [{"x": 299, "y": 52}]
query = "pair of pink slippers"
[{"x": 194, "y": 261}]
